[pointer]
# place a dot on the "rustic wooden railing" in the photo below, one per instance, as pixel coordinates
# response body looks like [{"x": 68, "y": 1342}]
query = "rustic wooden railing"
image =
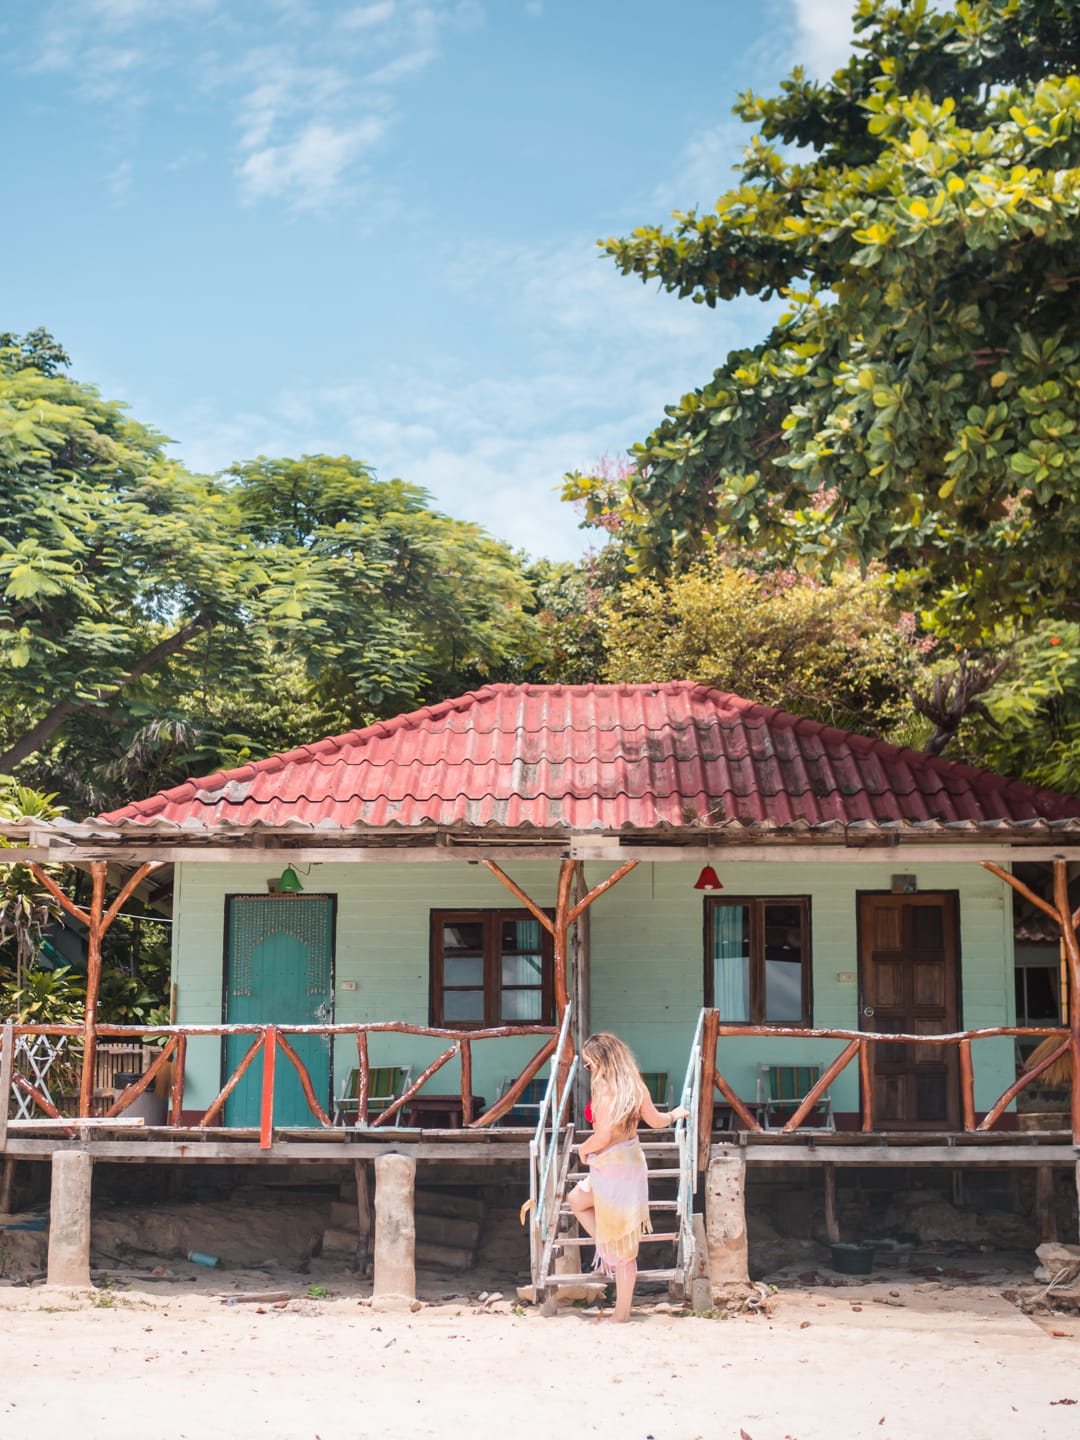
[
  {"x": 858, "y": 1047},
  {"x": 269, "y": 1041}
]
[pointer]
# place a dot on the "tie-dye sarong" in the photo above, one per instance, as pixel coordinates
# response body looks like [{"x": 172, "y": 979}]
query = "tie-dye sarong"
[{"x": 619, "y": 1180}]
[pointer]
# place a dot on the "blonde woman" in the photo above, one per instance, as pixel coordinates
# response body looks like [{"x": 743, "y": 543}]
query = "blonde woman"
[{"x": 612, "y": 1203}]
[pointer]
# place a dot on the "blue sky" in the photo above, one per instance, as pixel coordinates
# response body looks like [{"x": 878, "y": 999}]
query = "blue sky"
[{"x": 368, "y": 226}]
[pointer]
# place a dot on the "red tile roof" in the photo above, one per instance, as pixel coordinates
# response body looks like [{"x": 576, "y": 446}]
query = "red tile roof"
[{"x": 598, "y": 757}]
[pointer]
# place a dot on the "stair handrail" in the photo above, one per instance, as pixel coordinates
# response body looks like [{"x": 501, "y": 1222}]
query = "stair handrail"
[
  {"x": 686, "y": 1140},
  {"x": 544, "y": 1150}
]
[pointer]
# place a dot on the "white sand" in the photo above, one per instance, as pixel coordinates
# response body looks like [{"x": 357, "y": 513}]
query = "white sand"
[{"x": 959, "y": 1362}]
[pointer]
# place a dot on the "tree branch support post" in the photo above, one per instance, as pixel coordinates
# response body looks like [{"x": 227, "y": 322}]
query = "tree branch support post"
[
  {"x": 725, "y": 1219},
  {"x": 567, "y": 912},
  {"x": 97, "y": 921},
  {"x": 394, "y": 1285},
  {"x": 69, "y": 1219}
]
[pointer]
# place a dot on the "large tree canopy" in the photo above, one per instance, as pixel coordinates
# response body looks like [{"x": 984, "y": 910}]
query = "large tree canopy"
[
  {"x": 150, "y": 618},
  {"x": 919, "y": 402}
]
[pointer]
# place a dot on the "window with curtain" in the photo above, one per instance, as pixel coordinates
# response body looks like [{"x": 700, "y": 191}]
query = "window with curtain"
[
  {"x": 490, "y": 967},
  {"x": 757, "y": 959}
]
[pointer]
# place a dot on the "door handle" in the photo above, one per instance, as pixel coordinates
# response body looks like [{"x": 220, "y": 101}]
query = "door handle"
[{"x": 868, "y": 1010}]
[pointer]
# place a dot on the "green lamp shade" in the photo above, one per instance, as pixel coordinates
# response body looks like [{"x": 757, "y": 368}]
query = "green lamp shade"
[{"x": 289, "y": 882}]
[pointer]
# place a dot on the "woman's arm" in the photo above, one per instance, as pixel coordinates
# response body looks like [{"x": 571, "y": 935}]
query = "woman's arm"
[{"x": 661, "y": 1119}]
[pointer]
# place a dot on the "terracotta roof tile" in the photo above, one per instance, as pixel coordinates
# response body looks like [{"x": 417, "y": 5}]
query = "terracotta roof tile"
[{"x": 598, "y": 757}]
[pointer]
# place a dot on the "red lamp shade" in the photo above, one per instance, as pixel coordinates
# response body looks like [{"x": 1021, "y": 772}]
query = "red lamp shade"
[{"x": 708, "y": 880}]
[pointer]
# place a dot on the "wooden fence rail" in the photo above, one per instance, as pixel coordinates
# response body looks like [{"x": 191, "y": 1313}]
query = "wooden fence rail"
[
  {"x": 859, "y": 1048},
  {"x": 272, "y": 1041}
]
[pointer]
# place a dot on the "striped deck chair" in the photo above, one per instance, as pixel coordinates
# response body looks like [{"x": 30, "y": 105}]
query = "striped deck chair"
[
  {"x": 526, "y": 1109},
  {"x": 385, "y": 1084},
  {"x": 782, "y": 1088}
]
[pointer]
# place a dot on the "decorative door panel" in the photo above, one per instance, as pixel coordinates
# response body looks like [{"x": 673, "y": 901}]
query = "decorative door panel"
[
  {"x": 909, "y": 983},
  {"x": 279, "y": 970}
]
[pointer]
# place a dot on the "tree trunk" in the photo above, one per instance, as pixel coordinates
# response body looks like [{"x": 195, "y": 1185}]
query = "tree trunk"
[{"x": 48, "y": 725}]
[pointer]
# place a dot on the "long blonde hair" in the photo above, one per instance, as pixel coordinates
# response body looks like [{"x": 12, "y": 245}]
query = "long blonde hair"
[{"x": 615, "y": 1073}]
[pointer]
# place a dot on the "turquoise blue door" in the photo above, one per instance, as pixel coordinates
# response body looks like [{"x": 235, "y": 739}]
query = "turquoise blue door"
[{"x": 279, "y": 970}]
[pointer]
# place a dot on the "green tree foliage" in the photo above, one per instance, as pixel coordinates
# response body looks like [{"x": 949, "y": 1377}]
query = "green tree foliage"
[
  {"x": 919, "y": 401},
  {"x": 154, "y": 623},
  {"x": 1030, "y": 726},
  {"x": 835, "y": 651}
]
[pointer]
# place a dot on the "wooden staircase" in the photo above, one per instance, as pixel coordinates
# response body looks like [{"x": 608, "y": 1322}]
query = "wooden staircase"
[{"x": 661, "y": 1157}]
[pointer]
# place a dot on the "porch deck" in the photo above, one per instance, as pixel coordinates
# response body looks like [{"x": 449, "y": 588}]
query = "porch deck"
[{"x": 136, "y": 1144}]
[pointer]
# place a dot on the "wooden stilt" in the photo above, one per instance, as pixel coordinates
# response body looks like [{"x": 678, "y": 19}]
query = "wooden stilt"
[
  {"x": 7, "y": 1065},
  {"x": 1045, "y": 1209},
  {"x": 7, "y": 1184},
  {"x": 832, "y": 1224},
  {"x": 363, "y": 1204}
]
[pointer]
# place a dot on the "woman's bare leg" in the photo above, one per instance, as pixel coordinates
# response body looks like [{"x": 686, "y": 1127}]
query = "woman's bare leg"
[
  {"x": 581, "y": 1202},
  {"x": 625, "y": 1280}
]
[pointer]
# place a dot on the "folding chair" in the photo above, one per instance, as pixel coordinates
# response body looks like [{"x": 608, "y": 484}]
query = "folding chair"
[
  {"x": 385, "y": 1084},
  {"x": 783, "y": 1088},
  {"x": 659, "y": 1087},
  {"x": 525, "y": 1110}
]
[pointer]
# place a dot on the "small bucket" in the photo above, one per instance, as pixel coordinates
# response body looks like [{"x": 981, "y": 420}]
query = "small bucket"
[{"x": 852, "y": 1259}]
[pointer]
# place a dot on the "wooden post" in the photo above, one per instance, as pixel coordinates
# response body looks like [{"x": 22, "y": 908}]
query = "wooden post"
[
  {"x": 1072, "y": 950},
  {"x": 832, "y": 1225},
  {"x": 266, "y": 1118},
  {"x": 176, "y": 1090},
  {"x": 466, "y": 1082},
  {"x": 364, "y": 1220},
  {"x": 7, "y": 1065},
  {"x": 97, "y": 921},
  {"x": 7, "y": 1184},
  {"x": 707, "y": 1097},
  {"x": 866, "y": 1077},
  {"x": 967, "y": 1084},
  {"x": 1045, "y": 1209},
  {"x": 364, "y": 1081},
  {"x": 582, "y": 1023}
]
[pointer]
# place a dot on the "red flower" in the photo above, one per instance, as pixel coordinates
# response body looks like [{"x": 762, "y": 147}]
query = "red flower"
[{"x": 1055, "y": 639}]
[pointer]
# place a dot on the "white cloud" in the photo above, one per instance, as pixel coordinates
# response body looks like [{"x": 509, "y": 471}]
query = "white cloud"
[
  {"x": 365, "y": 16},
  {"x": 534, "y": 9},
  {"x": 307, "y": 169},
  {"x": 402, "y": 67},
  {"x": 490, "y": 437},
  {"x": 823, "y": 40}
]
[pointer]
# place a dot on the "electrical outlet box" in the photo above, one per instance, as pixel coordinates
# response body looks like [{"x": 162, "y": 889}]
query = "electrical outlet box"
[
  {"x": 846, "y": 977},
  {"x": 348, "y": 984}
]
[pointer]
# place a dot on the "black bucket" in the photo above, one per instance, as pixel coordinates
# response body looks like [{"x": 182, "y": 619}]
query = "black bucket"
[{"x": 852, "y": 1259}]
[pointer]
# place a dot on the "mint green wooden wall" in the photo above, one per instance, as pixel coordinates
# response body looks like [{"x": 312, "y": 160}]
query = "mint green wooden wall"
[
  {"x": 647, "y": 959},
  {"x": 648, "y": 969}
]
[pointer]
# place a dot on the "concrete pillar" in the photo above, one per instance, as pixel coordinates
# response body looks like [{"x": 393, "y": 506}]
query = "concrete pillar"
[
  {"x": 395, "y": 1233},
  {"x": 725, "y": 1220},
  {"x": 69, "y": 1219}
]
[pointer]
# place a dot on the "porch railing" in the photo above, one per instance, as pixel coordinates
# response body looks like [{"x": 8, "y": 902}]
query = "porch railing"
[
  {"x": 687, "y": 1143},
  {"x": 549, "y": 1154},
  {"x": 272, "y": 1041},
  {"x": 859, "y": 1047}
]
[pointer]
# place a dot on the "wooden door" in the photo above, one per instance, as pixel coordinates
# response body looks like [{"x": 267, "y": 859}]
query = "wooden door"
[
  {"x": 909, "y": 983},
  {"x": 279, "y": 969}
]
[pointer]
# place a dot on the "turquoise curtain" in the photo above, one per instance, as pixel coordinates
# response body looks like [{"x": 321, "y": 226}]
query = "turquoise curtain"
[{"x": 731, "y": 961}]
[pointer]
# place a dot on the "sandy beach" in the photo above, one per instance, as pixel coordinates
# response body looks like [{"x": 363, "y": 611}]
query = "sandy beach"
[{"x": 179, "y": 1363}]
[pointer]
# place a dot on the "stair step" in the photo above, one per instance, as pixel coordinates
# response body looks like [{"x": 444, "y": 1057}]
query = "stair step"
[
  {"x": 588, "y": 1240},
  {"x": 653, "y": 1205},
  {"x": 594, "y": 1277},
  {"x": 653, "y": 1175}
]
